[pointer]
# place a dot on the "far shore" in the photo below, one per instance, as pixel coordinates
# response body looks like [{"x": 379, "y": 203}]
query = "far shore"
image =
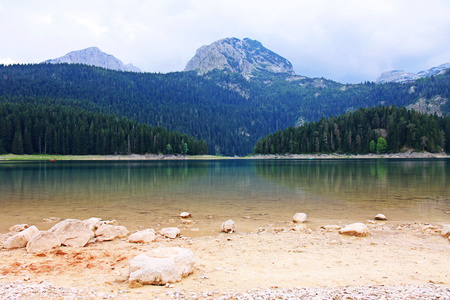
[{"x": 406, "y": 155}]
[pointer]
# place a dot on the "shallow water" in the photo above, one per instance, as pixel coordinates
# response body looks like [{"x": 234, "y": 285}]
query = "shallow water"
[{"x": 251, "y": 192}]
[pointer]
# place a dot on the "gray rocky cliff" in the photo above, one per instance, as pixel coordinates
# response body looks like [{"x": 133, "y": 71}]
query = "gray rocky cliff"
[
  {"x": 94, "y": 57},
  {"x": 246, "y": 57}
]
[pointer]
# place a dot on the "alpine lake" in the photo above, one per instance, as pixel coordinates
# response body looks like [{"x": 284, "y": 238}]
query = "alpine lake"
[{"x": 254, "y": 193}]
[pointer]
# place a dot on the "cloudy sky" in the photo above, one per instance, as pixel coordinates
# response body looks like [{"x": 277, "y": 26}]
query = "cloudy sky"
[{"x": 346, "y": 40}]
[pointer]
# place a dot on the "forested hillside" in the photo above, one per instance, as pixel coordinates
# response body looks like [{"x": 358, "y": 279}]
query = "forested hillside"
[
  {"x": 376, "y": 130},
  {"x": 28, "y": 128},
  {"x": 227, "y": 111}
]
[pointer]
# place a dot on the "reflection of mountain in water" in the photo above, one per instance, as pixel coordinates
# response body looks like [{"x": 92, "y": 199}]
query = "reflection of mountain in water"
[
  {"x": 95, "y": 177},
  {"x": 377, "y": 179}
]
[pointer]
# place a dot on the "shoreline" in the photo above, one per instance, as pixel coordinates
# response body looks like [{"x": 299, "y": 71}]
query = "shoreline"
[
  {"x": 400, "y": 155},
  {"x": 397, "y": 261}
]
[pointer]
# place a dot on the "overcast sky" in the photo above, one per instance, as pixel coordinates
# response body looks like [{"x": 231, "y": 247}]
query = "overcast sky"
[{"x": 345, "y": 40}]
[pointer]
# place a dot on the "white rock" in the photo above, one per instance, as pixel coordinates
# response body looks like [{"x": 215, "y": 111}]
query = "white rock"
[
  {"x": 299, "y": 218},
  {"x": 93, "y": 223},
  {"x": 445, "y": 231},
  {"x": 21, "y": 239},
  {"x": 110, "y": 232},
  {"x": 143, "y": 236},
  {"x": 380, "y": 217},
  {"x": 170, "y": 232},
  {"x": 43, "y": 241},
  {"x": 228, "y": 226},
  {"x": 185, "y": 215},
  {"x": 162, "y": 265},
  {"x": 356, "y": 229},
  {"x": 72, "y": 232},
  {"x": 330, "y": 227},
  {"x": 18, "y": 227}
]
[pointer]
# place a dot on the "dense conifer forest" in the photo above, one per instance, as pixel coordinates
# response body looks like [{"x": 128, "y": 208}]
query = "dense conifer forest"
[
  {"x": 225, "y": 110},
  {"x": 29, "y": 128},
  {"x": 367, "y": 130}
]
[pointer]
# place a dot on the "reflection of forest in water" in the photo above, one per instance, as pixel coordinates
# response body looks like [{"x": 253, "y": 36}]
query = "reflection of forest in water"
[
  {"x": 94, "y": 179},
  {"x": 370, "y": 179}
]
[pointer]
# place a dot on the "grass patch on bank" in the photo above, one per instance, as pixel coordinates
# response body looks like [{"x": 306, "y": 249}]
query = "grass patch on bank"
[{"x": 48, "y": 157}]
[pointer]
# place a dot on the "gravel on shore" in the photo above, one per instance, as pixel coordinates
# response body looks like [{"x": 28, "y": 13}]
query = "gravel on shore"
[{"x": 46, "y": 290}]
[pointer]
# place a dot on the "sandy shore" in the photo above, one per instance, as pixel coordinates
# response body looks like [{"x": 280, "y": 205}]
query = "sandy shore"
[{"x": 397, "y": 261}]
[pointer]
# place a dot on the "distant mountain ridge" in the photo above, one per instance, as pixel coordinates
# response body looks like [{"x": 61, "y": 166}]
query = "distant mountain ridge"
[
  {"x": 246, "y": 57},
  {"x": 93, "y": 56},
  {"x": 402, "y": 76}
]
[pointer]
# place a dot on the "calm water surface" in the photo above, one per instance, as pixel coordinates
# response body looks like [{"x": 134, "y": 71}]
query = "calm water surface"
[{"x": 252, "y": 192}]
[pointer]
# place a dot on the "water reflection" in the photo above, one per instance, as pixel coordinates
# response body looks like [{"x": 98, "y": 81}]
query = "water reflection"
[{"x": 360, "y": 179}]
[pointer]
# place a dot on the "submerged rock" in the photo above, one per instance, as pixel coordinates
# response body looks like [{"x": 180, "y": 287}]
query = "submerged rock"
[
  {"x": 161, "y": 266},
  {"x": 228, "y": 226},
  {"x": 299, "y": 218},
  {"x": 355, "y": 229}
]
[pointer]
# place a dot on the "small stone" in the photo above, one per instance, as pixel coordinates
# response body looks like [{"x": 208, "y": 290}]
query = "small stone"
[
  {"x": 330, "y": 227},
  {"x": 355, "y": 229},
  {"x": 93, "y": 223},
  {"x": 445, "y": 231},
  {"x": 143, "y": 236},
  {"x": 170, "y": 232},
  {"x": 185, "y": 215},
  {"x": 18, "y": 227},
  {"x": 228, "y": 226},
  {"x": 299, "y": 218},
  {"x": 110, "y": 232},
  {"x": 380, "y": 217}
]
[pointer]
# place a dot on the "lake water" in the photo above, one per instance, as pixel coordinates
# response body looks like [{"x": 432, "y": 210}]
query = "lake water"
[{"x": 251, "y": 192}]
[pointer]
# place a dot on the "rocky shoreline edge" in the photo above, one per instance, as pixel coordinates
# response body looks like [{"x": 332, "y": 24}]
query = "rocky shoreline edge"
[{"x": 111, "y": 252}]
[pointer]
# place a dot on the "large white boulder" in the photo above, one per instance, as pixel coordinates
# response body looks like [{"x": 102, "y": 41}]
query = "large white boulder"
[
  {"x": 299, "y": 218},
  {"x": 43, "y": 241},
  {"x": 162, "y": 265},
  {"x": 143, "y": 236},
  {"x": 20, "y": 240},
  {"x": 110, "y": 232},
  {"x": 170, "y": 232},
  {"x": 228, "y": 226},
  {"x": 72, "y": 232},
  {"x": 355, "y": 229}
]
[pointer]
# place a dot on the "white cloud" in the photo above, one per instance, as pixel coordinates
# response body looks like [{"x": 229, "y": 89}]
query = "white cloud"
[{"x": 347, "y": 40}]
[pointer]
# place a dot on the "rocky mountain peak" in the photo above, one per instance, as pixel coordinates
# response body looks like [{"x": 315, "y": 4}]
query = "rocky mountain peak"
[
  {"x": 246, "y": 57},
  {"x": 403, "y": 76},
  {"x": 93, "y": 56}
]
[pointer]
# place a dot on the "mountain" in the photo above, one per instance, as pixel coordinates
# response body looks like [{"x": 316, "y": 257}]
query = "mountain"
[
  {"x": 94, "y": 57},
  {"x": 403, "y": 76},
  {"x": 245, "y": 57}
]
